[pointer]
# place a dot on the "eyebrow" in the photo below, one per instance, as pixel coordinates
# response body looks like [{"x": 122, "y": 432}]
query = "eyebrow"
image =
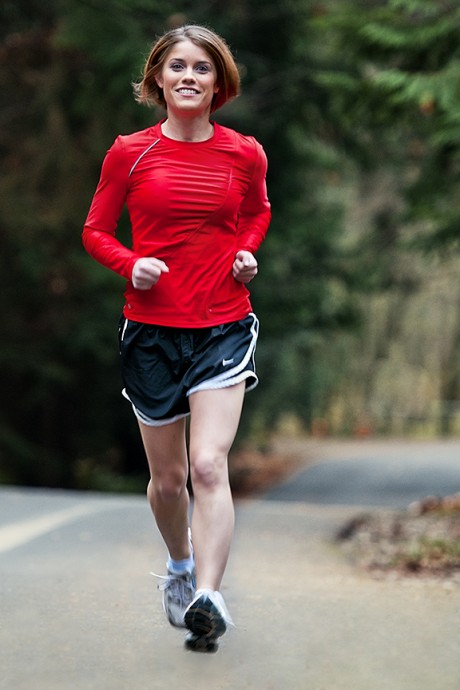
[{"x": 198, "y": 62}]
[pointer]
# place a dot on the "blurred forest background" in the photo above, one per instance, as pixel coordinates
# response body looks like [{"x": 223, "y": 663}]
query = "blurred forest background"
[{"x": 357, "y": 105}]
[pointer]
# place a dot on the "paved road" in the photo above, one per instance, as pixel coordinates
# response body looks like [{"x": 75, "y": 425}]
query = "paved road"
[
  {"x": 370, "y": 473},
  {"x": 79, "y": 609}
]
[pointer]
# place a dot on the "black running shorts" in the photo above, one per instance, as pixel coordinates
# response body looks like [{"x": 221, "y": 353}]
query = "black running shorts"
[{"x": 162, "y": 366}]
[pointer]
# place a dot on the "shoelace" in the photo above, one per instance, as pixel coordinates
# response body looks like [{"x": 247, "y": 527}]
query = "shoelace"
[{"x": 178, "y": 584}]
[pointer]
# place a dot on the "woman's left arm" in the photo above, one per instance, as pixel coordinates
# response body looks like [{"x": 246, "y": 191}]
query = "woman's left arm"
[{"x": 253, "y": 219}]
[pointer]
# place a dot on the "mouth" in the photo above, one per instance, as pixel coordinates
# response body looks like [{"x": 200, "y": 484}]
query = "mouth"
[{"x": 188, "y": 92}]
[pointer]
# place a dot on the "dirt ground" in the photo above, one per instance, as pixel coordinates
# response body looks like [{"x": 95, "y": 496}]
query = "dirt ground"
[
  {"x": 423, "y": 541},
  {"x": 253, "y": 471}
]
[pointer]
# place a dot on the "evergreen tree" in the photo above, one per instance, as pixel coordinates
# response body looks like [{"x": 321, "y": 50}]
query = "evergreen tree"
[
  {"x": 397, "y": 99},
  {"x": 394, "y": 106}
]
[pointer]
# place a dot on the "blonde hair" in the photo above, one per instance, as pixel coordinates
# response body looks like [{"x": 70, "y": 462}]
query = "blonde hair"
[{"x": 149, "y": 93}]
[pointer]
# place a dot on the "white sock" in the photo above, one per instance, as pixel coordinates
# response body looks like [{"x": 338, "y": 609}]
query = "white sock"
[{"x": 186, "y": 565}]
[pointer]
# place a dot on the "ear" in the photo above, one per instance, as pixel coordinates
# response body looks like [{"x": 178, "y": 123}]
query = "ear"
[
  {"x": 216, "y": 89},
  {"x": 159, "y": 80}
]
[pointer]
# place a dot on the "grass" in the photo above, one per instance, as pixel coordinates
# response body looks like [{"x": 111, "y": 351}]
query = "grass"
[{"x": 430, "y": 554}]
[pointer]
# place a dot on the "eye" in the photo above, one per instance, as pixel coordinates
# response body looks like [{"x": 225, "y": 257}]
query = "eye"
[
  {"x": 176, "y": 66},
  {"x": 203, "y": 68}
]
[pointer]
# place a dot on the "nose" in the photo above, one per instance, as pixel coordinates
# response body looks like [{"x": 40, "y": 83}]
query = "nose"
[{"x": 188, "y": 74}]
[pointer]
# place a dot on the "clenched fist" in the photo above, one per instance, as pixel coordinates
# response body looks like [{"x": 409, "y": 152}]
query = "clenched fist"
[
  {"x": 147, "y": 272},
  {"x": 244, "y": 266}
]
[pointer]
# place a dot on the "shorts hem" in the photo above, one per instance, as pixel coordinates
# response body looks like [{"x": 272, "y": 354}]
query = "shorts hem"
[
  {"x": 227, "y": 382},
  {"x": 148, "y": 421}
]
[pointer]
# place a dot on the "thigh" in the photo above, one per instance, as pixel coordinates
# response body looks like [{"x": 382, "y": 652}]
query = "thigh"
[
  {"x": 165, "y": 447},
  {"x": 215, "y": 415}
]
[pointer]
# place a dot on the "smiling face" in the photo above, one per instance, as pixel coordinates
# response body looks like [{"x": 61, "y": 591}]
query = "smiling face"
[{"x": 188, "y": 79}]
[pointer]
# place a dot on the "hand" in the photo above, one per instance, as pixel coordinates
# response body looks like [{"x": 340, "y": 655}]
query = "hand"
[
  {"x": 244, "y": 266},
  {"x": 147, "y": 272}
]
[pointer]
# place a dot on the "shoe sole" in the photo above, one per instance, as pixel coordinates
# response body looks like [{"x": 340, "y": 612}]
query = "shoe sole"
[
  {"x": 197, "y": 643},
  {"x": 204, "y": 620}
]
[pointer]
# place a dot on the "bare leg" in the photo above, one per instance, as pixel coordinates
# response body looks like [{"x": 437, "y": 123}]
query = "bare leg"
[
  {"x": 215, "y": 415},
  {"x": 167, "y": 491}
]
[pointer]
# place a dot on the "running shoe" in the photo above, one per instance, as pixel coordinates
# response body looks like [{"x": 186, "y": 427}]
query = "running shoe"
[
  {"x": 197, "y": 643},
  {"x": 207, "y": 616},
  {"x": 178, "y": 592}
]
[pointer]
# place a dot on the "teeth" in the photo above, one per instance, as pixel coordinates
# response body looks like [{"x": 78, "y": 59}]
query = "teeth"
[{"x": 187, "y": 92}]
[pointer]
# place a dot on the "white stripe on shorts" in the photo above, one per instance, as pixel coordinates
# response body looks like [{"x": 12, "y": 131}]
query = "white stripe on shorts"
[{"x": 237, "y": 374}]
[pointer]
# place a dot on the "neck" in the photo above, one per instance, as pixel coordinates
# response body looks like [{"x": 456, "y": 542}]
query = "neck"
[{"x": 187, "y": 130}]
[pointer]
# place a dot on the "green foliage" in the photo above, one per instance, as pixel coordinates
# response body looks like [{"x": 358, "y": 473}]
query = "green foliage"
[{"x": 400, "y": 83}]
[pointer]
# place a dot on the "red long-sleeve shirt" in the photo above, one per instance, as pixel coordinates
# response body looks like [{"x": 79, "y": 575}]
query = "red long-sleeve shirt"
[{"x": 192, "y": 204}]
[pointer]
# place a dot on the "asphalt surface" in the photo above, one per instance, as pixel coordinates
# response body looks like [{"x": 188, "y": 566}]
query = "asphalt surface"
[
  {"x": 390, "y": 474},
  {"x": 80, "y": 611}
]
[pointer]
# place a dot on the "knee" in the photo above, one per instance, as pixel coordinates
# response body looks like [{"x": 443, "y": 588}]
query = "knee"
[
  {"x": 208, "y": 471},
  {"x": 166, "y": 488}
]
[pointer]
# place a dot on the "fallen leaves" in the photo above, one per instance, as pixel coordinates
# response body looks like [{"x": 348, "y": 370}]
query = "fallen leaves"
[{"x": 424, "y": 540}]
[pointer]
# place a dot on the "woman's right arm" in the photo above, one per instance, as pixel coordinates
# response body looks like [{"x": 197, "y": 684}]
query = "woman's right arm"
[{"x": 101, "y": 223}]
